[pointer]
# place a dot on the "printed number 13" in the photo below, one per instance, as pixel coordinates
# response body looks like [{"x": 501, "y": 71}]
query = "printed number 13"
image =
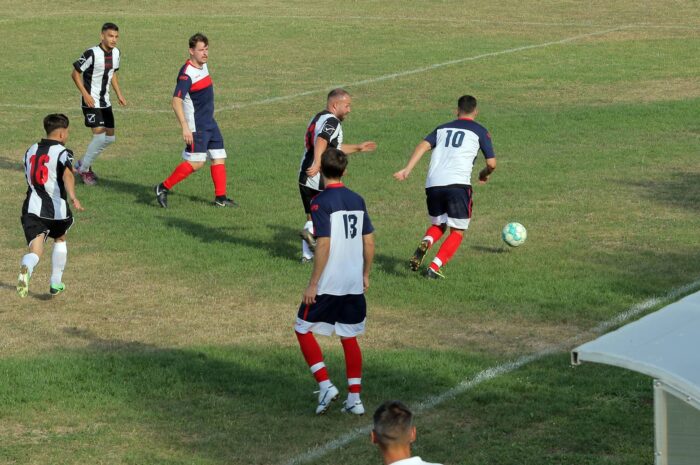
[{"x": 350, "y": 222}]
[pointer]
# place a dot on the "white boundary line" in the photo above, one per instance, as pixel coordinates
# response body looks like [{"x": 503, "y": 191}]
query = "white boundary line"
[
  {"x": 499, "y": 370},
  {"x": 363, "y": 82}
]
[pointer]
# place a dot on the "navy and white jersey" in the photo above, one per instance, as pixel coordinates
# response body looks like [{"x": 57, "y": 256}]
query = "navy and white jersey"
[
  {"x": 44, "y": 164},
  {"x": 326, "y": 126},
  {"x": 341, "y": 214},
  {"x": 195, "y": 88},
  {"x": 97, "y": 68},
  {"x": 455, "y": 147}
]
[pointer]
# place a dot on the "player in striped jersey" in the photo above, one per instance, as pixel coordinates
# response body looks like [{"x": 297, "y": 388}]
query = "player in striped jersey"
[
  {"x": 324, "y": 130},
  {"x": 334, "y": 300},
  {"x": 92, "y": 74},
  {"x": 45, "y": 213},
  {"x": 448, "y": 189}
]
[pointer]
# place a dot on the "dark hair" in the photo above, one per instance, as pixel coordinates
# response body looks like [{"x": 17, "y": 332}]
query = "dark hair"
[
  {"x": 333, "y": 163},
  {"x": 392, "y": 423},
  {"x": 466, "y": 104},
  {"x": 198, "y": 37},
  {"x": 55, "y": 121},
  {"x": 110, "y": 27},
  {"x": 337, "y": 93}
]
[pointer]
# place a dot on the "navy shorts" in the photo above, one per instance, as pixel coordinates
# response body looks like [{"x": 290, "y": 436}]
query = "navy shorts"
[
  {"x": 99, "y": 117},
  {"x": 450, "y": 204},
  {"x": 33, "y": 226},
  {"x": 206, "y": 143},
  {"x": 343, "y": 314}
]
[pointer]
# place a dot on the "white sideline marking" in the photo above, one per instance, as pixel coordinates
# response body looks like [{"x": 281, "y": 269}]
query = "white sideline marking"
[
  {"x": 363, "y": 82},
  {"x": 498, "y": 370}
]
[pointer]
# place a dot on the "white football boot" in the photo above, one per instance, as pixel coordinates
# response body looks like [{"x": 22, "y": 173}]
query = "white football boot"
[
  {"x": 356, "y": 409},
  {"x": 325, "y": 397}
]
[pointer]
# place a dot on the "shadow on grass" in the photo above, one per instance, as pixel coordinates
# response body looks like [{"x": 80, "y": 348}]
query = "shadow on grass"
[
  {"x": 11, "y": 165},
  {"x": 485, "y": 249},
  {"x": 235, "y": 404},
  {"x": 680, "y": 190},
  {"x": 144, "y": 194}
]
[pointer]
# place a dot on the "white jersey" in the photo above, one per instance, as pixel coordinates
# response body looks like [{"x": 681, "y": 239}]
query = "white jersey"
[
  {"x": 341, "y": 214},
  {"x": 97, "y": 67},
  {"x": 413, "y": 461},
  {"x": 44, "y": 165},
  {"x": 455, "y": 147}
]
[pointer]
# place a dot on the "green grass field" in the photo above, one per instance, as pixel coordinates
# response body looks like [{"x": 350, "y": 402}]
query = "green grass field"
[{"x": 173, "y": 343}]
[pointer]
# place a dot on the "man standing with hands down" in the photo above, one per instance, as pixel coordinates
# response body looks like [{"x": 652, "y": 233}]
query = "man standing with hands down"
[{"x": 334, "y": 299}]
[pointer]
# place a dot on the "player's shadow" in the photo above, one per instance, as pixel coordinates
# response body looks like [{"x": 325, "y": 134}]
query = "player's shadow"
[
  {"x": 143, "y": 194},
  {"x": 283, "y": 244},
  {"x": 11, "y": 165},
  {"x": 487, "y": 249},
  {"x": 34, "y": 295},
  {"x": 679, "y": 190}
]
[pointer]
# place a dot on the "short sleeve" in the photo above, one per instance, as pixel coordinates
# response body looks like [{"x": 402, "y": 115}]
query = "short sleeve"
[
  {"x": 84, "y": 62},
  {"x": 485, "y": 145},
  {"x": 66, "y": 158},
  {"x": 321, "y": 219},
  {"x": 118, "y": 60},
  {"x": 182, "y": 88},
  {"x": 367, "y": 227},
  {"x": 431, "y": 138},
  {"x": 330, "y": 126}
]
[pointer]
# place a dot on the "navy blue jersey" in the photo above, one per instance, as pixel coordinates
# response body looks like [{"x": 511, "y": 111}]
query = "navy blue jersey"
[
  {"x": 195, "y": 88},
  {"x": 455, "y": 147},
  {"x": 341, "y": 214}
]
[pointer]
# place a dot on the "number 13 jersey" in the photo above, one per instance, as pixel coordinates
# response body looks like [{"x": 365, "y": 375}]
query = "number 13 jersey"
[
  {"x": 44, "y": 165},
  {"x": 341, "y": 214}
]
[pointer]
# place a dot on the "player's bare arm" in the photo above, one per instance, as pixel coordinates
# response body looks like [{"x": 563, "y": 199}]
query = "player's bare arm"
[
  {"x": 323, "y": 248},
  {"x": 418, "y": 153},
  {"x": 319, "y": 147},
  {"x": 487, "y": 170},
  {"x": 180, "y": 114},
  {"x": 115, "y": 86},
  {"x": 368, "y": 256},
  {"x": 367, "y": 146},
  {"x": 69, "y": 183},
  {"x": 77, "y": 79}
]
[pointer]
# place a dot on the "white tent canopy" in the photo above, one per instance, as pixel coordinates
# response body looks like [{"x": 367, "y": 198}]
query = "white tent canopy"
[{"x": 666, "y": 346}]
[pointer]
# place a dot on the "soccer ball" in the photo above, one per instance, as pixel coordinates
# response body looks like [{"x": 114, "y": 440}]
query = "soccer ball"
[{"x": 514, "y": 234}]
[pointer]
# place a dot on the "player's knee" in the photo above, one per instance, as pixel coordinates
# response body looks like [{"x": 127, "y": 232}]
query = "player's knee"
[{"x": 196, "y": 164}]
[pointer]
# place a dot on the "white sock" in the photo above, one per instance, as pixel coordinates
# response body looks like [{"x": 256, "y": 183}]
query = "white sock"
[
  {"x": 58, "y": 261},
  {"x": 353, "y": 397},
  {"x": 94, "y": 148},
  {"x": 30, "y": 260},
  {"x": 325, "y": 384},
  {"x": 305, "y": 250}
]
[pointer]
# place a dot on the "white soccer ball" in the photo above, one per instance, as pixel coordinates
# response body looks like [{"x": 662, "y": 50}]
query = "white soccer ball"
[{"x": 514, "y": 234}]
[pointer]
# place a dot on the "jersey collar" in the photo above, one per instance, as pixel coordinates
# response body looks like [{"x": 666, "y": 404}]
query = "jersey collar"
[
  {"x": 335, "y": 185},
  {"x": 465, "y": 118},
  {"x": 49, "y": 142}
]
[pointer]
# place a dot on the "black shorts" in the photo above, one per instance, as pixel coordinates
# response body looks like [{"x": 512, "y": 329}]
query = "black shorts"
[
  {"x": 99, "y": 117},
  {"x": 450, "y": 204},
  {"x": 33, "y": 226},
  {"x": 343, "y": 314},
  {"x": 307, "y": 194}
]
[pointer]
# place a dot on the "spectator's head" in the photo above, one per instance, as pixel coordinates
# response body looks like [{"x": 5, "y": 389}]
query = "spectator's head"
[
  {"x": 333, "y": 163},
  {"x": 393, "y": 428}
]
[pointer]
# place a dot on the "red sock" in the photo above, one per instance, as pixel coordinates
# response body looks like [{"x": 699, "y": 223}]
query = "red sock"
[
  {"x": 353, "y": 364},
  {"x": 447, "y": 250},
  {"x": 218, "y": 175},
  {"x": 435, "y": 233},
  {"x": 313, "y": 355},
  {"x": 183, "y": 170}
]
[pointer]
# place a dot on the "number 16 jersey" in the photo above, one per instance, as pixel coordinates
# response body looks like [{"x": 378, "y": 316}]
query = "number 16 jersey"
[
  {"x": 44, "y": 165},
  {"x": 341, "y": 214}
]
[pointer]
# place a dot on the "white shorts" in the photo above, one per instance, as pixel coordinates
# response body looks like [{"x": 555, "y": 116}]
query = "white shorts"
[
  {"x": 213, "y": 154},
  {"x": 457, "y": 223}
]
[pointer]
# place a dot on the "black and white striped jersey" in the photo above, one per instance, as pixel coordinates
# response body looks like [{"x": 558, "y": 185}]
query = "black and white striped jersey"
[
  {"x": 44, "y": 165},
  {"x": 326, "y": 126},
  {"x": 97, "y": 68}
]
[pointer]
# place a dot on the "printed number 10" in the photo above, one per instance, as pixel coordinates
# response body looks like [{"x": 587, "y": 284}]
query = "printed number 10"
[{"x": 456, "y": 140}]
